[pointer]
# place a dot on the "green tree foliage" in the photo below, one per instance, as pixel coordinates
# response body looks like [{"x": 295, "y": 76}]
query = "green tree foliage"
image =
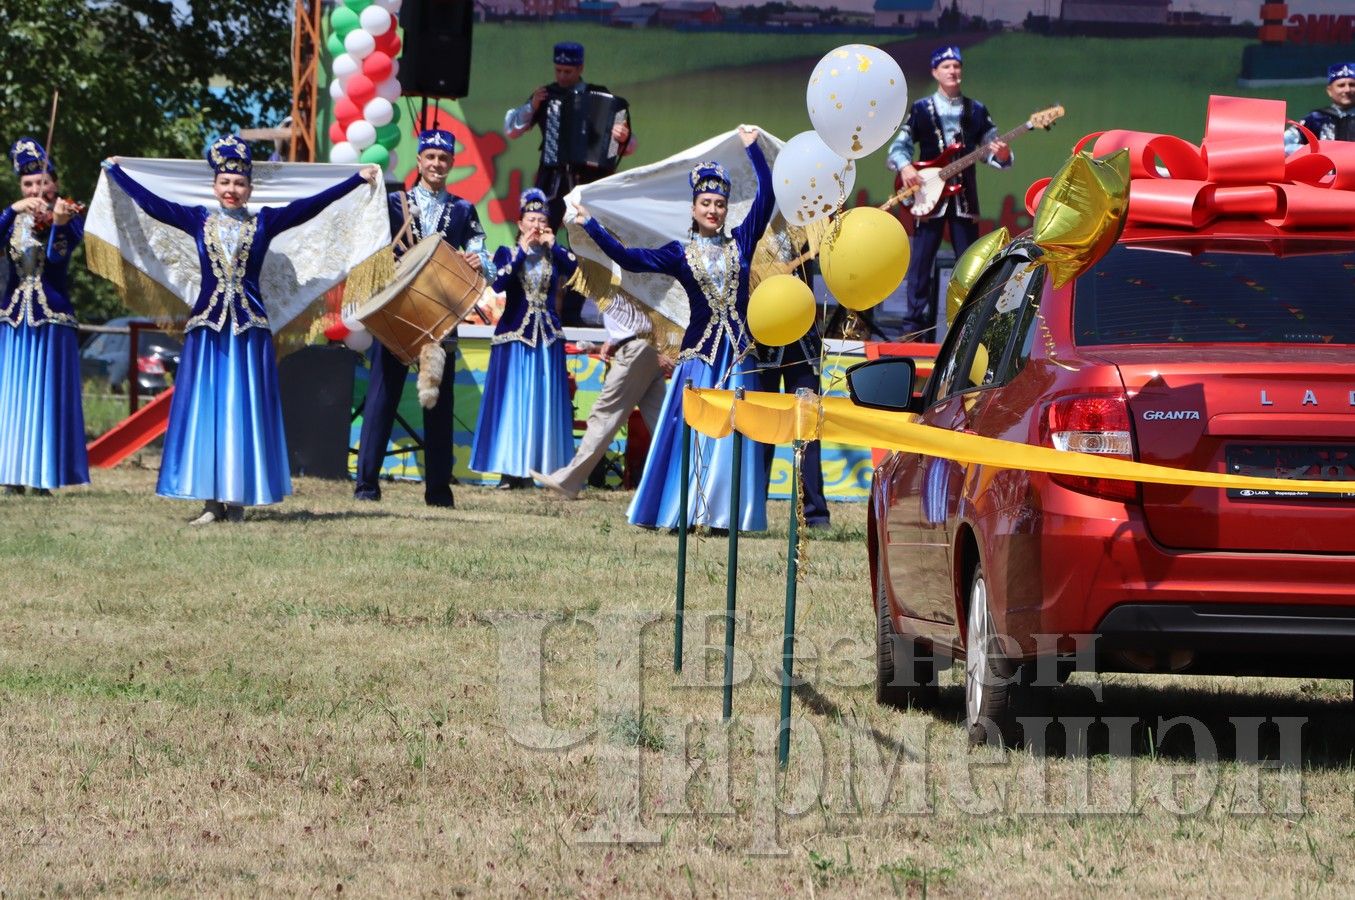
[{"x": 136, "y": 78}]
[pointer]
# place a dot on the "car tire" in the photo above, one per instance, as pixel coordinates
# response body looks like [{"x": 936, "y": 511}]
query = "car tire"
[
  {"x": 992, "y": 675},
  {"x": 895, "y": 654}
]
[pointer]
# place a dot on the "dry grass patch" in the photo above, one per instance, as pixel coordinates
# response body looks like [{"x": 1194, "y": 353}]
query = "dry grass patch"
[{"x": 387, "y": 698}]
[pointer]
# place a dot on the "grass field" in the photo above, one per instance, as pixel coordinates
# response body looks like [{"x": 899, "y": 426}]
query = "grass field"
[{"x": 390, "y": 699}]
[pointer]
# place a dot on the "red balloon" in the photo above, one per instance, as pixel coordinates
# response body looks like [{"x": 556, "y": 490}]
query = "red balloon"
[
  {"x": 377, "y": 66},
  {"x": 346, "y": 111},
  {"x": 336, "y": 133},
  {"x": 337, "y": 331},
  {"x": 360, "y": 90},
  {"x": 389, "y": 44}
]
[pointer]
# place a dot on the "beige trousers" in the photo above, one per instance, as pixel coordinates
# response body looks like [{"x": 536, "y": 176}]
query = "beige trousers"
[{"x": 634, "y": 379}]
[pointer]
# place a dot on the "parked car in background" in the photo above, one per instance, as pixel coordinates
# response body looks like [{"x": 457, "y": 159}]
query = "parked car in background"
[
  {"x": 1232, "y": 351},
  {"x": 105, "y": 358}
]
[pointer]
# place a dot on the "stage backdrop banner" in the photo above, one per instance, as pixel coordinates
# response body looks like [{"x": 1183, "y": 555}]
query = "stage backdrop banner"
[{"x": 846, "y": 470}]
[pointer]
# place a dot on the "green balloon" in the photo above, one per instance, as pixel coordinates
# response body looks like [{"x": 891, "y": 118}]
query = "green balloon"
[
  {"x": 376, "y": 155},
  {"x": 335, "y": 44},
  {"x": 388, "y": 136},
  {"x": 357, "y": 6},
  {"x": 395, "y": 114},
  {"x": 342, "y": 21}
]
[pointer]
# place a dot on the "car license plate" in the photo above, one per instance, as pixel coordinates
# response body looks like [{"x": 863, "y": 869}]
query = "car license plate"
[{"x": 1313, "y": 462}]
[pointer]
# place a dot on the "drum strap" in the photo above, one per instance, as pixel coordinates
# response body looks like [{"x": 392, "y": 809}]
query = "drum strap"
[{"x": 404, "y": 238}]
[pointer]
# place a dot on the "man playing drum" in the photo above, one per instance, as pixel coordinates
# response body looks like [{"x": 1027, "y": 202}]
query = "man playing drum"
[{"x": 427, "y": 209}]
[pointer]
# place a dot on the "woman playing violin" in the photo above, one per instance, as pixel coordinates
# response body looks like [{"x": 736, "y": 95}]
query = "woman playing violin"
[{"x": 42, "y": 425}]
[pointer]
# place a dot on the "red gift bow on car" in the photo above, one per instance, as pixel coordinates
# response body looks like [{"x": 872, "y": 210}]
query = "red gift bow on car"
[{"x": 1238, "y": 171}]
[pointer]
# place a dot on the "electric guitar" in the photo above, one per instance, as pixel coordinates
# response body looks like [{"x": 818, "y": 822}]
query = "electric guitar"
[{"x": 937, "y": 173}]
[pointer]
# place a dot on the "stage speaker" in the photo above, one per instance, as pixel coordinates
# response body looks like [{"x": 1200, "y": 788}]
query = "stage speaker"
[
  {"x": 316, "y": 384},
  {"x": 435, "y": 61}
]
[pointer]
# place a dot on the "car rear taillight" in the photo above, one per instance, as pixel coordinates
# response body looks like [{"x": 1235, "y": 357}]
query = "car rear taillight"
[
  {"x": 1097, "y": 424},
  {"x": 150, "y": 365}
]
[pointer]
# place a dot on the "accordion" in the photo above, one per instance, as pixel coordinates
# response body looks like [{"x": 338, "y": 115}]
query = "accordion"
[{"x": 586, "y": 123}]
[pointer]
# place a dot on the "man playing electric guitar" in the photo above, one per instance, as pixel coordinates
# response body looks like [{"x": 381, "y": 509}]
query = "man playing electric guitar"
[{"x": 946, "y": 117}]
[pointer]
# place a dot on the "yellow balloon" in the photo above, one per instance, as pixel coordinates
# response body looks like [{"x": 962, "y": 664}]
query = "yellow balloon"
[
  {"x": 780, "y": 311},
  {"x": 969, "y": 266},
  {"x": 1082, "y": 213},
  {"x": 867, "y": 260}
]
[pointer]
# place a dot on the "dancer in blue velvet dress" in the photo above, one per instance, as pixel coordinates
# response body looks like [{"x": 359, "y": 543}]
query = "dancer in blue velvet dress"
[
  {"x": 712, "y": 267},
  {"x": 225, "y": 443},
  {"x": 526, "y": 420},
  {"x": 42, "y": 424}
]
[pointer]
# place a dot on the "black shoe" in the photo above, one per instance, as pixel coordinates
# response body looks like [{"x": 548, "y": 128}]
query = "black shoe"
[
  {"x": 369, "y": 496},
  {"x": 14, "y": 490},
  {"x": 510, "y": 483},
  {"x": 447, "y": 502},
  {"x": 42, "y": 492},
  {"x": 819, "y": 523}
]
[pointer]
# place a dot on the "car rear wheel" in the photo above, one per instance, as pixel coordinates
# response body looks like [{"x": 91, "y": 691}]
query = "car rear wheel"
[
  {"x": 895, "y": 656},
  {"x": 990, "y": 672}
]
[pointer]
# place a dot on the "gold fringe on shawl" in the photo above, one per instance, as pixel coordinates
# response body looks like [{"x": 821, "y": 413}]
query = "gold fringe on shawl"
[
  {"x": 595, "y": 280},
  {"x": 369, "y": 277},
  {"x": 139, "y": 292}
]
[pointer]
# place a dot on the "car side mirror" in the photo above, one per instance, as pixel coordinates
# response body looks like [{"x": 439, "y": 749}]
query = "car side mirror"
[{"x": 884, "y": 384}]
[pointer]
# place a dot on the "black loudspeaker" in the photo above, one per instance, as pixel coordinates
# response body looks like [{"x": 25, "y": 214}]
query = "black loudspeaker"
[
  {"x": 316, "y": 384},
  {"x": 435, "y": 61}
]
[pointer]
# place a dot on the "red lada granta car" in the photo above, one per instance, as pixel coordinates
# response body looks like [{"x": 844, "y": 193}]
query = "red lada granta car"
[{"x": 1232, "y": 352}]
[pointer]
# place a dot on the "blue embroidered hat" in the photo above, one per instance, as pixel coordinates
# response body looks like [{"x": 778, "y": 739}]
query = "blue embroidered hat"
[
  {"x": 568, "y": 53},
  {"x": 941, "y": 54},
  {"x": 437, "y": 139},
  {"x": 230, "y": 154},
  {"x": 709, "y": 178},
  {"x": 29, "y": 158},
  {"x": 533, "y": 200},
  {"x": 1340, "y": 70}
]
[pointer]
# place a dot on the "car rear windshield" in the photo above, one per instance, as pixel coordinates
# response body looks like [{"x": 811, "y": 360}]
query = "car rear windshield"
[{"x": 1138, "y": 295}]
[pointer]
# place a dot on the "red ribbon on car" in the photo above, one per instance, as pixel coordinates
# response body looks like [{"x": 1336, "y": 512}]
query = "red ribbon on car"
[{"x": 1239, "y": 170}]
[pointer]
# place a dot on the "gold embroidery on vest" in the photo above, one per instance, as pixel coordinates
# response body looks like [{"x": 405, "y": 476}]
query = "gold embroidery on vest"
[{"x": 724, "y": 310}]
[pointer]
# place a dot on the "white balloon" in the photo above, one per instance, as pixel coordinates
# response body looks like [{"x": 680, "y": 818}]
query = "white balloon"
[
  {"x": 378, "y": 110},
  {"x": 358, "y": 340},
  {"x": 391, "y": 6},
  {"x": 857, "y": 99},
  {"x": 344, "y": 152},
  {"x": 345, "y": 65},
  {"x": 336, "y": 88},
  {"x": 389, "y": 90},
  {"x": 349, "y": 322},
  {"x": 375, "y": 20},
  {"x": 395, "y": 66},
  {"x": 393, "y": 166},
  {"x": 810, "y": 180},
  {"x": 361, "y": 134},
  {"x": 359, "y": 43}
]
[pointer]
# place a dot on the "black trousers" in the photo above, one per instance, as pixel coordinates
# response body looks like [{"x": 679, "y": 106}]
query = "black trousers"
[
  {"x": 378, "y": 419},
  {"x": 922, "y": 297}
]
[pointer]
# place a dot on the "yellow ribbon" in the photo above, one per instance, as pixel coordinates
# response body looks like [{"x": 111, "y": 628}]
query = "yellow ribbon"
[{"x": 773, "y": 419}]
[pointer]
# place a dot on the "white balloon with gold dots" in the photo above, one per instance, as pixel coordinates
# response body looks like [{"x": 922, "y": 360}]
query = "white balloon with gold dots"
[{"x": 857, "y": 99}]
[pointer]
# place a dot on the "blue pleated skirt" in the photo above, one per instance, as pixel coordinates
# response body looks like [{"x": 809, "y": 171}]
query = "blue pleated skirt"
[
  {"x": 526, "y": 421},
  {"x": 225, "y": 439},
  {"x": 42, "y": 421},
  {"x": 657, "y": 498}
]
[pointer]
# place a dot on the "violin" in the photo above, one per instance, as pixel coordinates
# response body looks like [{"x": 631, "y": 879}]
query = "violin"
[{"x": 44, "y": 219}]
